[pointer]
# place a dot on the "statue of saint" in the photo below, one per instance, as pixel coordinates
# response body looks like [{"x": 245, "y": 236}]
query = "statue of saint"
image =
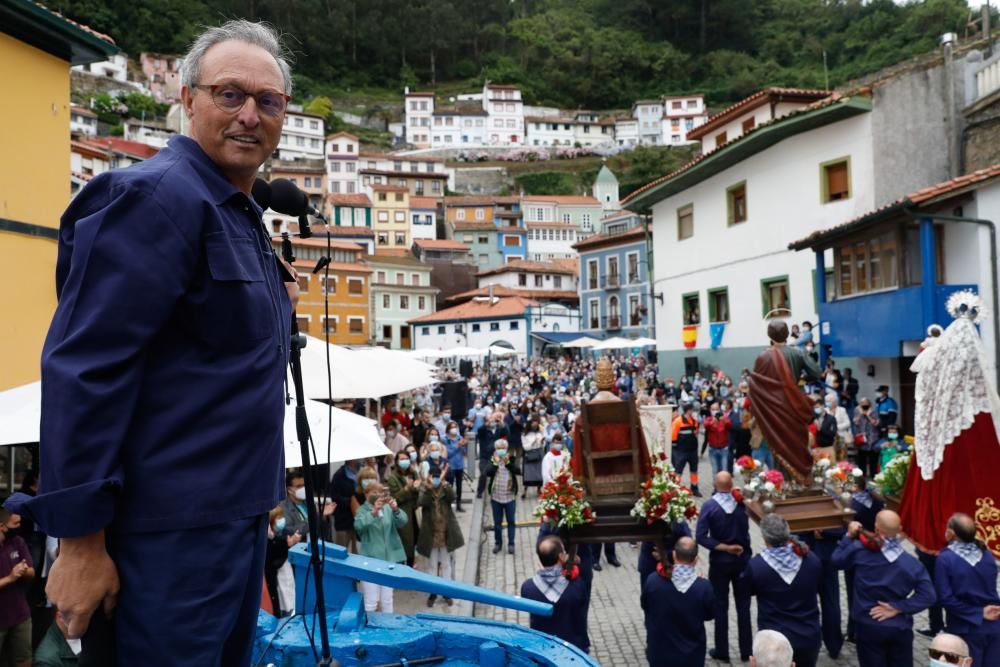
[{"x": 780, "y": 407}]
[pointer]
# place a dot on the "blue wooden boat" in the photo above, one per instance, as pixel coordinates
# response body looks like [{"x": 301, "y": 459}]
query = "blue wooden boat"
[{"x": 361, "y": 639}]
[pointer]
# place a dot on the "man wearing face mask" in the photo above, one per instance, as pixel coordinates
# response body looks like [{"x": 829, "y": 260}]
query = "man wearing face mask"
[
  {"x": 486, "y": 437},
  {"x": 823, "y": 427},
  {"x": 455, "y": 446},
  {"x": 294, "y": 505},
  {"x": 440, "y": 534},
  {"x": 886, "y": 408},
  {"x": 501, "y": 475}
]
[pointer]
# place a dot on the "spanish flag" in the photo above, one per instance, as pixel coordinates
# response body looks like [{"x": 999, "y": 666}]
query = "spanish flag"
[{"x": 690, "y": 335}]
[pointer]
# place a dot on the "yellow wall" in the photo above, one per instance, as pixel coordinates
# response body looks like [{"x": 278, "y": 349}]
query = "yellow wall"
[
  {"x": 343, "y": 305},
  {"x": 451, "y": 213},
  {"x": 392, "y": 226},
  {"x": 34, "y": 188}
]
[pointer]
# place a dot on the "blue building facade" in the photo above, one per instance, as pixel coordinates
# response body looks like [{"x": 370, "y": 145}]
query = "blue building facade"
[
  {"x": 512, "y": 235},
  {"x": 614, "y": 287}
]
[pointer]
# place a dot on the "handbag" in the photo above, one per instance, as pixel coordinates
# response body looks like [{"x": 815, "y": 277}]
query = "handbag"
[{"x": 859, "y": 438}]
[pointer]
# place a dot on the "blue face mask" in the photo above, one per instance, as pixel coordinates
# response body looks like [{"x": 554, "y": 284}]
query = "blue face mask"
[
  {"x": 404, "y": 464},
  {"x": 413, "y": 456},
  {"x": 365, "y": 483},
  {"x": 557, "y": 446},
  {"x": 279, "y": 524},
  {"x": 435, "y": 455},
  {"x": 435, "y": 482},
  {"x": 501, "y": 453}
]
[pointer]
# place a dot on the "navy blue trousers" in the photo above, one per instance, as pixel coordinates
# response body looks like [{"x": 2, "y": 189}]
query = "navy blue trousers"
[
  {"x": 609, "y": 551},
  {"x": 829, "y": 603},
  {"x": 935, "y": 614},
  {"x": 883, "y": 647},
  {"x": 190, "y": 597},
  {"x": 721, "y": 577}
]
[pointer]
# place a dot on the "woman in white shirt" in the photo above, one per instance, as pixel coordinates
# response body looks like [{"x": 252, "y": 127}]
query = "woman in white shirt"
[{"x": 844, "y": 434}]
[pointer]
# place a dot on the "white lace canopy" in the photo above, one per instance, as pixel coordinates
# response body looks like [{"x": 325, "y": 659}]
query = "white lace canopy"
[{"x": 952, "y": 388}]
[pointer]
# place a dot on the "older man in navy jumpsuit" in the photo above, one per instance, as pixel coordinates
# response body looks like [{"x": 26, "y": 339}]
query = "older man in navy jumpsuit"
[
  {"x": 890, "y": 586},
  {"x": 724, "y": 529},
  {"x": 966, "y": 582},
  {"x": 162, "y": 375},
  {"x": 786, "y": 578}
]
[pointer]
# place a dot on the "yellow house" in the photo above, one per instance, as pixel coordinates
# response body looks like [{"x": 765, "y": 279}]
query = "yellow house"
[
  {"x": 37, "y": 48},
  {"x": 347, "y": 290},
  {"x": 391, "y": 217}
]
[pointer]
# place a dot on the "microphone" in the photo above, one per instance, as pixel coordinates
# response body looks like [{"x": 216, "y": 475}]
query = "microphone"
[
  {"x": 261, "y": 193},
  {"x": 288, "y": 199}
]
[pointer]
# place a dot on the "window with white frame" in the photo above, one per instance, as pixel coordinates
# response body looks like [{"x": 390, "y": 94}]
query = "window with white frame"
[
  {"x": 460, "y": 214},
  {"x": 404, "y": 302},
  {"x": 386, "y": 301}
]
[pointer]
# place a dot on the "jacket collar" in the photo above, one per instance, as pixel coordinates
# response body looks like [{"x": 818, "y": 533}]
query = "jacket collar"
[{"x": 220, "y": 189}]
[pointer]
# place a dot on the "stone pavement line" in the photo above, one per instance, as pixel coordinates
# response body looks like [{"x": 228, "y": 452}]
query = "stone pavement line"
[{"x": 616, "y": 626}]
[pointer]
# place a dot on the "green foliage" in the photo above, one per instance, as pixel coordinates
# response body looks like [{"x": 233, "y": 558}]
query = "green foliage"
[
  {"x": 597, "y": 54},
  {"x": 637, "y": 167},
  {"x": 547, "y": 183}
]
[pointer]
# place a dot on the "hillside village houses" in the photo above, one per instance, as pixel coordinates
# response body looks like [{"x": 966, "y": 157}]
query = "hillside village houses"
[
  {"x": 302, "y": 135},
  {"x": 401, "y": 290}
]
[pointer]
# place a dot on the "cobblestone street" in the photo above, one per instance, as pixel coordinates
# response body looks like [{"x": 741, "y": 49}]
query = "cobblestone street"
[{"x": 616, "y": 620}]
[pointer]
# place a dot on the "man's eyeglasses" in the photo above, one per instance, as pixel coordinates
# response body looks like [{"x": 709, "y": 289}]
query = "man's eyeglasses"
[
  {"x": 231, "y": 98},
  {"x": 946, "y": 656}
]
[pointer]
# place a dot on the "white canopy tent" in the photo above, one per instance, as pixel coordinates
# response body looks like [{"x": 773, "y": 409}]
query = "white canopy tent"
[
  {"x": 615, "y": 343},
  {"x": 20, "y": 414},
  {"x": 353, "y": 436},
  {"x": 644, "y": 342},
  {"x": 359, "y": 373},
  {"x": 582, "y": 341},
  {"x": 465, "y": 352},
  {"x": 498, "y": 351}
]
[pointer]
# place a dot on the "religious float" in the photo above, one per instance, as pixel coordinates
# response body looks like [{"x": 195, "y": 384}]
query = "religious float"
[{"x": 363, "y": 639}]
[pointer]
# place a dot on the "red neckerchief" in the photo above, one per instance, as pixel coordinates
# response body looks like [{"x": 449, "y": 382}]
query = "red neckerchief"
[
  {"x": 737, "y": 496},
  {"x": 555, "y": 452},
  {"x": 798, "y": 547},
  {"x": 572, "y": 573},
  {"x": 870, "y": 541},
  {"x": 664, "y": 571}
]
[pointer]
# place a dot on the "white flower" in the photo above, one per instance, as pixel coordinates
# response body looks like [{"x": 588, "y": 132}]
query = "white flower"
[
  {"x": 829, "y": 474},
  {"x": 769, "y": 486},
  {"x": 737, "y": 469},
  {"x": 818, "y": 480},
  {"x": 857, "y": 472},
  {"x": 824, "y": 463},
  {"x": 752, "y": 486}
]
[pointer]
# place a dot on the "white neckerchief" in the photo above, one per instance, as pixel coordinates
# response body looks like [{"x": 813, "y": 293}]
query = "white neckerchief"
[
  {"x": 725, "y": 501},
  {"x": 683, "y": 577},
  {"x": 784, "y": 561},
  {"x": 970, "y": 553},
  {"x": 891, "y": 549}
]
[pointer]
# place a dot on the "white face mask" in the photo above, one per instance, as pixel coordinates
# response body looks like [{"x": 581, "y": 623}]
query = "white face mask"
[
  {"x": 300, "y": 493},
  {"x": 453, "y": 432}
]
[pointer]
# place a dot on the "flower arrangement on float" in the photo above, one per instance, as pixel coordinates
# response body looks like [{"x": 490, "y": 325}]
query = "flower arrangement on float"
[
  {"x": 892, "y": 478},
  {"x": 747, "y": 466},
  {"x": 562, "y": 503},
  {"x": 767, "y": 486},
  {"x": 663, "y": 497}
]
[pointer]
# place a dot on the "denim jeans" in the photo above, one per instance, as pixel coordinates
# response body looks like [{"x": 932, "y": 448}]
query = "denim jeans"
[
  {"x": 499, "y": 510},
  {"x": 718, "y": 456},
  {"x": 763, "y": 455}
]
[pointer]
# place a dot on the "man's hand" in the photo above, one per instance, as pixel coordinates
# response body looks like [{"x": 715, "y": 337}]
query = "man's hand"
[
  {"x": 734, "y": 549},
  {"x": 883, "y": 611},
  {"x": 854, "y": 529},
  {"x": 293, "y": 539},
  {"x": 416, "y": 484},
  {"x": 291, "y": 287},
  {"x": 991, "y": 612},
  {"x": 18, "y": 571},
  {"x": 328, "y": 509},
  {"x": 393, "y": 505},
  {"x": 83, "y": 578}
]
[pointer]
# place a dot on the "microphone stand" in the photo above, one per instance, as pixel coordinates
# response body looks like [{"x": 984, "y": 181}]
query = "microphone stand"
[{"x": 302, "y": 432}]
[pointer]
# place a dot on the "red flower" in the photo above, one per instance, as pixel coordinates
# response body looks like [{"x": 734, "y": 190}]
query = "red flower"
[
  {"x": 664, "y": 571},
  {"x": 691, "y": 512},
  {"x": 663, "y": 456},
  {"x": 572, "y": 573},
  {"x": 870, "y": 541},
  {"x": 799, "y": 548},
  {"x": 738, "y": 496}
]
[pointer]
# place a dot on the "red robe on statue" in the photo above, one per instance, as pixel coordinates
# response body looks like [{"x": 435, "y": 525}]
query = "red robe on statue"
[{"x": 966, "y": 481}]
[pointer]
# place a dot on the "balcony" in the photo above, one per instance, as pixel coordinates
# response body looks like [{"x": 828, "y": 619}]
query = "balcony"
[
  {"x": 853, "y": 326},
  {"x": 634, "y": 278},
  {"x": 611, "y": 281},
  {"x": 613, "y": 323}
]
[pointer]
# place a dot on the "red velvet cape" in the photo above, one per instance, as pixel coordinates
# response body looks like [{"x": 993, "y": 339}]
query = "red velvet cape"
[
  {"x": 782, "y": 411},
  {"x": 966, "y": 481}
]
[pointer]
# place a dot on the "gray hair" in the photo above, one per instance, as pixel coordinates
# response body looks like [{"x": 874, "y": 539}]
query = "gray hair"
[
  {"x": 240, "y": 30},
  {"x": 772, "y": 649},
  {"x": 775, "y": 530}
]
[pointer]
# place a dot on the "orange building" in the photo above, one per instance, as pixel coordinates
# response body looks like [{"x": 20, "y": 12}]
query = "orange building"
[{"x": 347, "y": 289}]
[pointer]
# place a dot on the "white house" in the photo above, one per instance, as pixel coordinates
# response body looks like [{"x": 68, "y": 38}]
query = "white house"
[
  {"x": 150, "y": 132},
  {"x": 423, "y": 218},
  {"x": 115, "y": 67},
  {"x": 418, "y": 112},
  {"x": 518, "y": 274},
  {"x": 502, "y": 321},
  {"x": 552, "y": 240},
  {"x": 550, "y": 130},
  {"x": 761, "y": 107},
  {"x": 82, "y": 121},
  {"x": 591, "y": 130},
  {"x": 342, "y": 163},
  {"x": 626, "y": 131},
  {"x": 648, "y": 114},
  {"x": 506, "y": 114},
  {"x": 722, "y": 224},
  {"x": 582, "y": 211},
  {"x": 302, "y": 136},
  {"x": 681, "y": 114},
  {"x": 400, "y": 291}
]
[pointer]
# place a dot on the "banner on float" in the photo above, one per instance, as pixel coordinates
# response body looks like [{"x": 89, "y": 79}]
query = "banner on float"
[{"x": 656, "y": 423}]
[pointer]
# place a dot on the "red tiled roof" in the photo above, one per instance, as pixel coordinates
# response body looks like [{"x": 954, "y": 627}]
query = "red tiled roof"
[
  {"x": 319, "y": 230},
  {"x": 926, "y": 195},
  {"x": 550, "y": 225},
  {"x": 89, "y": 150},
  {"x": 501, "y": 291},
  {"x": 562, "y": 200},
  {"x": 610, "y": 239},
  {"x": 423, "y": 202},
  {"x": 349, "y": 200},
  {"x": 440, "y": 244},
  {"x": 403, "y": 174},
  {"x": 519, "y": 265},
  {"x": 334, "y": 266},
  {"x": 549, "y": 119},
  {"x": 755, "y": 100},
  {"x": 321, "y": 242},
  {"x": 825, "y": 102},
  {"x": 478, "y": 310},
  {"x": 389, "y": 188},
  {"x": 85, "y": 28},
  {"x": 404, "y": 158},
  {"x": 348, "y": 135},
  {"x": 502, "y": 86},
  {"x": 118, "y": 145},
  {"x": 417, "y": 93},
  {"x": 83, "y": 111},
  {"x": 392, "y": 252},
  {"x": 478, "y": 200},
  {"x": 474, "y": 226}
]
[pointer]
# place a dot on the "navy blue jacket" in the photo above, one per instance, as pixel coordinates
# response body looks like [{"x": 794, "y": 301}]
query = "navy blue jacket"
[
  {"x": 716, "y": 527},
  {"x": 675, "y": 621},
  {"x": 567, "y": 622},
  {"x": 647, "y": 564},
  {"x": 163, "y": 369},
  {"x": 877, "y": 580},
  {"x": 866, "y": 515},
  {"x": 791, "y": 609},
  {"x": 964, "y": 590}
]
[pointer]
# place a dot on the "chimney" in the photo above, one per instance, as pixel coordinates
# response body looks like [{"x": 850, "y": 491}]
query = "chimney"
[
  {"x": 491, "y": 294},
  {"x": 406, "y": 90}
]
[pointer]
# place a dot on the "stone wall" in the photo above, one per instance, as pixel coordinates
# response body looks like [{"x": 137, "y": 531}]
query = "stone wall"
[{"x": 481, "y": 180}]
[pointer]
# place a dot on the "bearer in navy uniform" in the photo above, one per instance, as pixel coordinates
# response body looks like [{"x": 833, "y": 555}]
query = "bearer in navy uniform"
[
  {"x": 890, "y": 586},
  {"x": 786, "y": 578},
  {"x": 677, "y": 603},
  {"x": 822, "y": 543},
  {"x": 648, "y": 558},
  {"x": 560, "y": 584},
  {"x": 866, "y": 507},
  {"x": 966, "y": 582},
  {"x": 724, "y": 529}
]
